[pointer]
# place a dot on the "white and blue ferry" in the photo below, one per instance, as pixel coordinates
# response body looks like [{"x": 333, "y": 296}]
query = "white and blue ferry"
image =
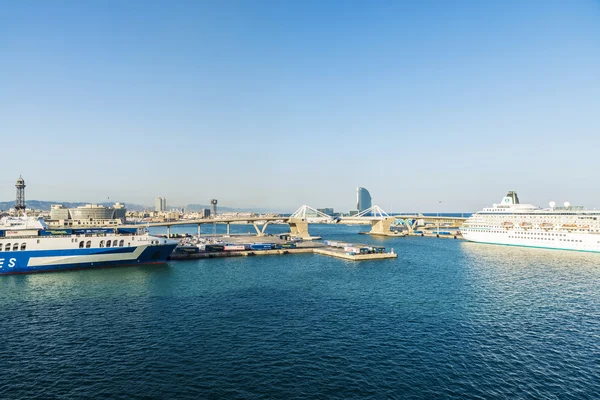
[{"x": 27, "y": 245}]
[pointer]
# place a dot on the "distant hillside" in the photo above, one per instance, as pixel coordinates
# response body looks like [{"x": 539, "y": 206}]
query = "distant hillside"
[
  {"x": 45, "y": 205},
  {"x": 198, "y": 207}
]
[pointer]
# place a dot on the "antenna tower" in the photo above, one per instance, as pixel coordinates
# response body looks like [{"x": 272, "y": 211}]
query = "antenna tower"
[
  {"x": 20, "y": 202},
  {"x": 213, "y": 215}
]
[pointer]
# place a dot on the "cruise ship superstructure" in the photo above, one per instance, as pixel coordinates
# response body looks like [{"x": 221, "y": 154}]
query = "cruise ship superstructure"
[
  {"x": 28, "y": 246},
  {"x": 512, "y": 223}
]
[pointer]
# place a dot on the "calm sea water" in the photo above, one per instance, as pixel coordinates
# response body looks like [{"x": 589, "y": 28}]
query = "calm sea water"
[{"x": 447, "y": 319}]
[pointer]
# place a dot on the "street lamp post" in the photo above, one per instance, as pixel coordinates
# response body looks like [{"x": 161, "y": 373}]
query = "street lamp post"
[{"x": 438, "y": 218}]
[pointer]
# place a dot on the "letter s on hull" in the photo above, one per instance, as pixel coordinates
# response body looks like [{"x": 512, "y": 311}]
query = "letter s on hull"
[{"x": 12, "y": 262}]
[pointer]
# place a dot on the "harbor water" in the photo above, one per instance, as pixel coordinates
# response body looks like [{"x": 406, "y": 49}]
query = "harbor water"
[{"x": 446, "y": 319}]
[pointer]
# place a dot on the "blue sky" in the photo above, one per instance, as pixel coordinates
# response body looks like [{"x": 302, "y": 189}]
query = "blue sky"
[{"x": 278, "y": 104}]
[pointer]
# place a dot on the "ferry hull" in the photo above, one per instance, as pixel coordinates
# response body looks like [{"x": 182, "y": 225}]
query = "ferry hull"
[{"x": 34, "y": 261}]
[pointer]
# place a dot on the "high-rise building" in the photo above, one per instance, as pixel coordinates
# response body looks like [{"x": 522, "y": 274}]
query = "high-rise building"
[
  {"x": 160, "y": 204},
  {"x": 363, "y": 199}
]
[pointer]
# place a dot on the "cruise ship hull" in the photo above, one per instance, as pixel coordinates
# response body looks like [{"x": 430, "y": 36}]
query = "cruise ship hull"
[
  {"x": 539, "y": 238},
  {"x": 34, "y": 261}
]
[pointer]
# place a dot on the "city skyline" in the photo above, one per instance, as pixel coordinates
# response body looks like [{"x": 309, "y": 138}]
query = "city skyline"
[{"x": 430, "y": 105}]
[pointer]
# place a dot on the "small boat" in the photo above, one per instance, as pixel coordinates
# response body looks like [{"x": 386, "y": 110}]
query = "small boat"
[
  {"x": 526, "y": 225},
  {"x": 569, "y": 226},
  {"x": 508, "y": 224},
  {"x": 547, "y": 225}
]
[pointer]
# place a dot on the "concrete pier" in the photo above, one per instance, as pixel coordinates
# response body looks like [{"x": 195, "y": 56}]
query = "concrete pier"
[
  {"x": 301, "y": 248},
  {"x": 339, "y": 253}
]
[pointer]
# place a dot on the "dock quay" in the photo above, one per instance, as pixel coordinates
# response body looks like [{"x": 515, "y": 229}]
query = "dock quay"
[
  {"x": 440, "y": 236},
  {"x": 235, "y": 248},
  {"x": 340, "y": 253},
  {"x": 386, "y": 234}
]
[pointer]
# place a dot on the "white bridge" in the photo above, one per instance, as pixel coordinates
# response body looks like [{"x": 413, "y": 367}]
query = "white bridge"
[{"x": 375, "y": 216}]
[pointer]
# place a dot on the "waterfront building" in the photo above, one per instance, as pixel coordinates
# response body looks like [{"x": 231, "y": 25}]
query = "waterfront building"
[
  {"x": 328, "y": 211},
  {"x": 160, "y": 204},
  {"x": 363, "y": 199},
  {"x": 59, "y": 212},
  {"x": 88, "y": 215}
]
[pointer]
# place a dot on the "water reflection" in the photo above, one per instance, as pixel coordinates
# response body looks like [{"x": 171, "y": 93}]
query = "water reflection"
[
  {"x": 116, "y": 281},
  {"x": 529, "y": 280},
  {"x": 514, "y": 256}
]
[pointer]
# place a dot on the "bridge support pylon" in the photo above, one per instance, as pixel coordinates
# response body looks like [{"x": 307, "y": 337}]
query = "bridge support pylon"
[
  {"x": 381, "y": 226},
  {"x": 261, "y": 231},
  {"x": 299, "y": 228},
  {"x": 409, "y": 224}
]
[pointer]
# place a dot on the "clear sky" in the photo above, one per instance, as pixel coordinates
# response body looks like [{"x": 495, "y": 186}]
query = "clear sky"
[{"x": 283, "y": 103}]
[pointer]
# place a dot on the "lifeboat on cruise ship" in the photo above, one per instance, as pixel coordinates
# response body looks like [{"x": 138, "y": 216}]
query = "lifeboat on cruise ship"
[
  {"x": 508, "y": 224},
  {"x": 547, "y": 225},
  {"x": 526, "y": 225},
  {"x": 569, "y": 226}
]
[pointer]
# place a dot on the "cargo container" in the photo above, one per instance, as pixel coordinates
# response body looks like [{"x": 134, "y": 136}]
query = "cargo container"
[
  {"x": 231, "y": 247},
  {"x": 214, "y": 247},
  {"x": 349, "y": 249},
  {"x": 186, "y": 249},
  {"x": 261, "y": 246}
]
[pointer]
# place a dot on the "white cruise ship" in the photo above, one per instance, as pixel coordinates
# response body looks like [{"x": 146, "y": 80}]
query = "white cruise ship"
[{"x": 512, "y": 223}]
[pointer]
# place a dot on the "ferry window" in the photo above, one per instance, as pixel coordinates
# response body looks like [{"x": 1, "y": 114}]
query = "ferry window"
[
  {"x": 15, "y": 246},
  {"x": 115, "y": 243},
  {"x": 108, "y": 243},
  {"x": 7, "y": 247},
  {"x": 23, "y": 246},
  {"x": 102, "y": 243},
  {"x": 81, "y": 244},
  {"x": 88, "y": 244},
  {"x": 121, "y": 242}
]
